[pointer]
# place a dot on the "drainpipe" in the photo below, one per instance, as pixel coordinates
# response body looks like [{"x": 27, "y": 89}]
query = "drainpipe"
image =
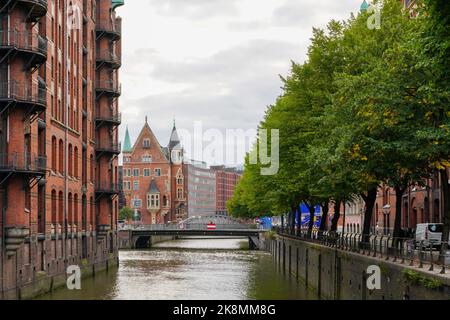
[{"x": 66, "y": 118}]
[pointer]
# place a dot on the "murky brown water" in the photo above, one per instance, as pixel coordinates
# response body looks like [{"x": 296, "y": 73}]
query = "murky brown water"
[{"x": 190, "y": 269}]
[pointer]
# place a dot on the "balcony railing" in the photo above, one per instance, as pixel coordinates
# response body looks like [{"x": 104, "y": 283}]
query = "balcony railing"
[
  {"x": 25, "y": 41},
  {"x": 108, "y": 86},
  {"x": 23, "y": 162},
  {"x": 109, "y": 117},
  {"x": 23, "y": 93},
  {"x": 113, "y": 28},
  {"x": 38, "y": 8},
  {"x": 106, "y": 56},
  {"x": 108, "y": 147},
  {"x": 107, "y": 187}
]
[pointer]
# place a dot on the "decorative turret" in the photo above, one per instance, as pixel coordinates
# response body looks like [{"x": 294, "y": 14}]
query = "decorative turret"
[
  {"x": 174, "y": 143},
  {"x": 175, "y": 148}
]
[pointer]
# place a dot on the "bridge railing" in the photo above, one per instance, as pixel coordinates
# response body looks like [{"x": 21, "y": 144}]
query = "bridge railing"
[{"x": 187, "y": 226}]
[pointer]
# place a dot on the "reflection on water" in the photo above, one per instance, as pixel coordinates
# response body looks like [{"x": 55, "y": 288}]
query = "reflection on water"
[{"x": 202, "y": 269}]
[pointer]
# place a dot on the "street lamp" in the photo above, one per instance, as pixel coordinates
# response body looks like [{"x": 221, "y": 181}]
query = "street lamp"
[{"x": 386, "y": 211}]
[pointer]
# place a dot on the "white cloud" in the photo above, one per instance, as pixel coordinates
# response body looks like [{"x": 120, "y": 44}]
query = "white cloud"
[{"x": 212, "y": 60}]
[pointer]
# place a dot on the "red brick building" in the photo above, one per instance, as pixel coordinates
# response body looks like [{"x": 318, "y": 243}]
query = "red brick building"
[
  {"x": 226, "y": 181},
  {"x": 420, "y": 204},
  {"x": 59, "y": 92},
  {"x": 153, "y": 178}
]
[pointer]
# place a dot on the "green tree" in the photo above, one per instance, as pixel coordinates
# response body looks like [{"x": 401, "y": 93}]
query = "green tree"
[{"x": 126, "y": 214}]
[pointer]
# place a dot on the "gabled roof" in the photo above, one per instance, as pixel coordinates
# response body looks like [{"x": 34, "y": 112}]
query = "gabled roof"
[
  {"x": 147, "y": 128},
  {"x": 153, "y": 188}
]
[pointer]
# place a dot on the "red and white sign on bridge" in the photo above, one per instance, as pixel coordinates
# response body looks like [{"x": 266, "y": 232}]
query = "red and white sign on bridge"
[{"x": 211, "y": 226}]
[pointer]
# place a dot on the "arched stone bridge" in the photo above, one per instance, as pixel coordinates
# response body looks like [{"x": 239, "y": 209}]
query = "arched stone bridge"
[{"x": 143, "y": 236}]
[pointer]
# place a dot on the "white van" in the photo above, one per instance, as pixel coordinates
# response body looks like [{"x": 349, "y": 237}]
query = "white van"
[{"x": 429, "y": 234}]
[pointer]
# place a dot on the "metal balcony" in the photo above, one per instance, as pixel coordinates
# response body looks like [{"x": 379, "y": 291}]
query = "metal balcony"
[
  {"x": 25, "y": 163},
  {"x": 108, "y": 188},
  {"x": 112, "y": 29},
  {"x": 110, "y": 118},
  {"x": 14, "y": 93},
  {"x": 35, "y": 8},
  {"x": 105, "y": 147},
  {"x": 29, "y": 45},
  {"x": 106, "y": 57},
  {"x": 108, "y": 87}
]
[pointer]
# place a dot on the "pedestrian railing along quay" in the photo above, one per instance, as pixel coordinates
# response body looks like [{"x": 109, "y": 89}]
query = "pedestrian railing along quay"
[{"x": 401, "y": 250}]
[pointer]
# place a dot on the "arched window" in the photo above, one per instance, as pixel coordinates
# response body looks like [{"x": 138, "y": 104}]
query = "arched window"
[
  {"x": 54, "y": 211},
  {"x": 91, "y": 164},
  {"x": 61, "y": 208},
  {"x": 54, "y": 152},
  {"x": 91, "y": 211},
  {"x": 70, "y": 160},
  {"x": 70, "y": 212},
  {"x": 75, "y": 208},
  {"x": 75, "y": 162},
  {"x": 61, "y": 156}
]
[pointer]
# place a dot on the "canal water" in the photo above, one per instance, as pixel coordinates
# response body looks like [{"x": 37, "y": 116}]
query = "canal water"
[{"x": 204, "y": 269}]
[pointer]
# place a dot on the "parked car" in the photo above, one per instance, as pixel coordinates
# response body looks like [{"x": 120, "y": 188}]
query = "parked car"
[{"x": 429, "y": 234}]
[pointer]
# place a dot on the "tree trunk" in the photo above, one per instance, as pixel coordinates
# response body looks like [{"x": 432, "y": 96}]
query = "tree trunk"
[
  {"x": 399, "y": 191},
  {"x": 312, "y": 211},
  {"x": 292, "y": 220},
  {"x": 446, "y": 218},
  {"x": 369, "y": 200},
  {"x": 324, "y": 219},
  {"x": 336, "y": 216}
]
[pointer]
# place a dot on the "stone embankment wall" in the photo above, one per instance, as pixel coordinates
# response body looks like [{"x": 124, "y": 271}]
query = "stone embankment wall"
[{"x": 338, "y": 274}]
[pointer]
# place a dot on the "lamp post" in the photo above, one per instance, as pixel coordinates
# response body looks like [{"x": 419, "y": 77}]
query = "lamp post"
[{"x": 386, "y": 211}]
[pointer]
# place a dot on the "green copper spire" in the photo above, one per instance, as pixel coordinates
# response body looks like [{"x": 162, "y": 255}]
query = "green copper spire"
[
  {"x": 364, "y": 6},
  {"x": 117, "y": 3},
  {"x": 127, "y": 144}
]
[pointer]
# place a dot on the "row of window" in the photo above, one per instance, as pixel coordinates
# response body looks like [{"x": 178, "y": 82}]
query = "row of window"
[
  {"x": 145, "y": 158},
  {"x": 57, "y": 161},
  {"x": 137, "y": 172},
  {"x": 153, "y": 200}
]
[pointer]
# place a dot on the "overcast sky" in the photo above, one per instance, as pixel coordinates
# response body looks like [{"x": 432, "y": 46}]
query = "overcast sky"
[{"x": 214, "y": 61}]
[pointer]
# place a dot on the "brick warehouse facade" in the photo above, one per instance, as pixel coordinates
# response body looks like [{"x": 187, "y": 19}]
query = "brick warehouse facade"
[
  {"x": 153, "y": 178},
  {"x": 226, "y": 181},
  {"x": 58, "y": 140}
]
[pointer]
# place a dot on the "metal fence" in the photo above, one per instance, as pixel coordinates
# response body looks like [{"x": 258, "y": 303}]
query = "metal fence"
[{"x": 401, "y": 250}]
